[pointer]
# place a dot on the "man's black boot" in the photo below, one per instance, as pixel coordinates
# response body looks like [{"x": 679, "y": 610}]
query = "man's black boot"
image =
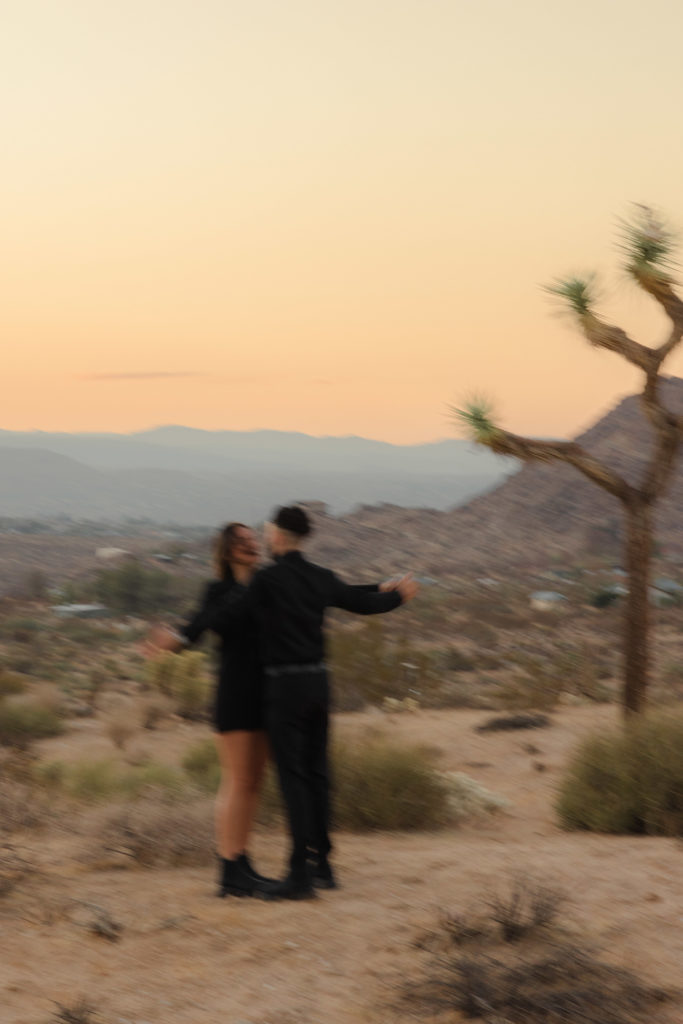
[
  {"x": 323, "y": 875},
  {"x": 297, "y": 885}
]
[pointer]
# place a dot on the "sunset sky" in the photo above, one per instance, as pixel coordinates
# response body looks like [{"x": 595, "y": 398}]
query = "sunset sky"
[{"x": 332, "y": 216}]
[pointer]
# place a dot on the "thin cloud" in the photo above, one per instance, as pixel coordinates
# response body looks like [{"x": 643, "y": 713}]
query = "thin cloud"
[{"x": 139, "y": 376}]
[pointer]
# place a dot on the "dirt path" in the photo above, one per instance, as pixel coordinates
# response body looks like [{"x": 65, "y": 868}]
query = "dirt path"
[{"x": 187, "y": 958}]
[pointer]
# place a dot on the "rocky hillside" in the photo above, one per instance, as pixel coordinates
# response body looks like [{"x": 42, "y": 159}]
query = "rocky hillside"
[{"x": 539, "y": 513}]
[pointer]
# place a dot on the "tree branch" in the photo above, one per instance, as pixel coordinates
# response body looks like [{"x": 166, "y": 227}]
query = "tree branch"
[
  {"x": 614, "y": 339},
  {"x": 529, "y": 449}
]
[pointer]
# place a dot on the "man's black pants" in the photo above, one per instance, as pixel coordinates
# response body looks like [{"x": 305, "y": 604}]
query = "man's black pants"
[{"x": 297, "y": 714}]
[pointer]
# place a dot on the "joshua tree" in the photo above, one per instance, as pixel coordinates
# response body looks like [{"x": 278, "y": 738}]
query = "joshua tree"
[{"x": 647, "y": 246}]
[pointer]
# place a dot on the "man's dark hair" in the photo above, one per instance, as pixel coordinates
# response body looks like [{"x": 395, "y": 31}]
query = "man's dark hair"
[{"x": 293, "y": 519}]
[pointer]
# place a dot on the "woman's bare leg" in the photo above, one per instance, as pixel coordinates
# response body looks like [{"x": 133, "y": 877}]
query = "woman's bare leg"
[{"x": 243, "y": 756}]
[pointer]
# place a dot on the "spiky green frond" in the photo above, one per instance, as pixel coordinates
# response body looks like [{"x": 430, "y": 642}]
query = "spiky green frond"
[
  {"x": 648, "y": 242},
  {"x": 477, "y": 419},
  {"x": 578, "y": 293}
]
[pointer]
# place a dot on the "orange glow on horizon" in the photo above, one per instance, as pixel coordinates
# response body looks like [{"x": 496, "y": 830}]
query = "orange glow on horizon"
[{"x": 323, "y": 218}]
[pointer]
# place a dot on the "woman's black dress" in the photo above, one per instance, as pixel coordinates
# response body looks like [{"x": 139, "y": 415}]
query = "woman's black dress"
[{"x": 239, "y": 694}]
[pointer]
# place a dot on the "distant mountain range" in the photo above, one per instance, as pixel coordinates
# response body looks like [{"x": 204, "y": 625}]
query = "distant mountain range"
[{"x": 182, "y": 475}]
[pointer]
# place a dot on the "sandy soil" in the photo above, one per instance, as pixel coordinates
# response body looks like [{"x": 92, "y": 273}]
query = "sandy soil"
[{"x": 185, "y": 957}]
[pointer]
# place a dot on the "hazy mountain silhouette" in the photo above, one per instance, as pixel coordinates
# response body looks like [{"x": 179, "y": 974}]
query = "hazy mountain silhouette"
[{"x": 182, "y": 475}]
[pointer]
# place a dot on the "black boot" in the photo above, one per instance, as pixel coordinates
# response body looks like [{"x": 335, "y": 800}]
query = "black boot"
[
  {"x": 323, "y": 875},
  {"x": 298, "y": 885},
  {"x": 249, "y": 869},
  {"x": 321, "y": 871},
  {"x": 234, "y": 879}
]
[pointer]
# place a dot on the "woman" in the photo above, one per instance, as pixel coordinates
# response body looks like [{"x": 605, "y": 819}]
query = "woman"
[{"x": 238, "y": 711}]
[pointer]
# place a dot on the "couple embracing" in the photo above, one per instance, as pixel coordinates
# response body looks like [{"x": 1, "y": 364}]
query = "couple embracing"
[{"x": 273, "y": 693}]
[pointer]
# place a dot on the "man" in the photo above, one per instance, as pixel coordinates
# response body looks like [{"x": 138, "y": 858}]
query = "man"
[{"x": 289, "y": 599}]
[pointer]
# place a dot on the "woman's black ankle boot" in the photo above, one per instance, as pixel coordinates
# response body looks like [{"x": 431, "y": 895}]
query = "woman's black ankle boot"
[{"x": 234, "y": 879}]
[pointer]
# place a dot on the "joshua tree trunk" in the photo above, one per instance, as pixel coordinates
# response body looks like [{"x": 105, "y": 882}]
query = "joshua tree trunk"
[
  {"x": 638, "y": 552},
  {"x": 648, "y": 248}
]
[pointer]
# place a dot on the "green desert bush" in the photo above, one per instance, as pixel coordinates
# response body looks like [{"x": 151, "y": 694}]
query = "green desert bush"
[
  {"x": 377, "y": 784},
  {"x": 11, "y": 683},
  {"x": 22, "y": 723},
  {"x": 380, "y": 784},
  {"x": 183, "y": 678},
  {"x": 92, "y": 781},
  {"x": 627, "y": 781},
  {"x": 368, "y": 665},
  {"x": 201, "y": 764},
  {"x": 540, "y": 682}
]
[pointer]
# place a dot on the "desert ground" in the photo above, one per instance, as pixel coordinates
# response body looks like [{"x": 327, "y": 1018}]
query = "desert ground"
[{"x": 155, "y": 946}]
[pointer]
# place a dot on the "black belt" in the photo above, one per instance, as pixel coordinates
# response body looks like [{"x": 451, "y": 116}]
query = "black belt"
[{"x": 291, "y": 670}]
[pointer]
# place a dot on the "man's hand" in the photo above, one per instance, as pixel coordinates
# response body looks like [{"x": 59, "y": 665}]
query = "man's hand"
[
  {"x": 407, "y": 588},
  {"x": 389, "y": 585}
]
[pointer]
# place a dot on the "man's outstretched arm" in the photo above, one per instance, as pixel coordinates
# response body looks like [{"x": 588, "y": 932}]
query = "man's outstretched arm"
[{"x": 364, "y": 601}]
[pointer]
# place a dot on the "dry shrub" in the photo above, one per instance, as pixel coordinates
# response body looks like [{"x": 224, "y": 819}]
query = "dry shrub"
[
  {"x": 559, "y": 986},
  {"x": 156, "y": 832},
  {"x": 369, "y": 664},
  {"x": 21, "y": 805},
  {"x": 121, "y": 728},
  {"x": 11, "y": 683},
  {"x": 380, "y": 784},
  {"x": 527, "y": 906},
  {"x": 155, "y": 709},
  {"x": 80, "y": 1012},
  {"x": 183, "y": 679},
  {"x": 495, "y": 611},
  {"x": 92, "y": 781},
  {"x": 377, "y": 784},
  {"x": 201, "y": 763},
  {"x": 541, "y": 682},
  {"x": 629, "y": 780},
  {"x": 542, "y": 980},
  {"x": 22, "y": 723},
  {"x": 14, "y": 868}
]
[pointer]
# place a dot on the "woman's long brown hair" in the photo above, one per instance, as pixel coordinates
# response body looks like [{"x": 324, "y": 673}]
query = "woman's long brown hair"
[{"x": 223, "y": 547}]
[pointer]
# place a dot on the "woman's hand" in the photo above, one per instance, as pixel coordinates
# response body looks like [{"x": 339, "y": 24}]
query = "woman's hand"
[{"x": 159, "y": 639}]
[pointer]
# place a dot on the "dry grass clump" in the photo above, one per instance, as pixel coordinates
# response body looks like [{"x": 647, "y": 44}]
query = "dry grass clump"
[
  {"x": 526, "y": 907},
  {"x": 11, "y": 683},
  {"x": 627, "y": 781},
  {"x": 556, "y": 986},
  {"x": 21, "y": 804},
  {"x": 157, "y": 832},
  {"x": 379, "y": 784},
  {"x": 21, "y": 723},
  {"x": 201, "y": 764},
  {"x": 14, "y": 868},
  {"x": 509, "y": 964},
  {"x": 121, "y": 728},
  {"x": 155, "y": 709},
  {"x": 540, "y": 683},
  {"x": 80, "y": 1012},
  {"x": 92, "y": 781},
  {"x": 184, "y": 680}
]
